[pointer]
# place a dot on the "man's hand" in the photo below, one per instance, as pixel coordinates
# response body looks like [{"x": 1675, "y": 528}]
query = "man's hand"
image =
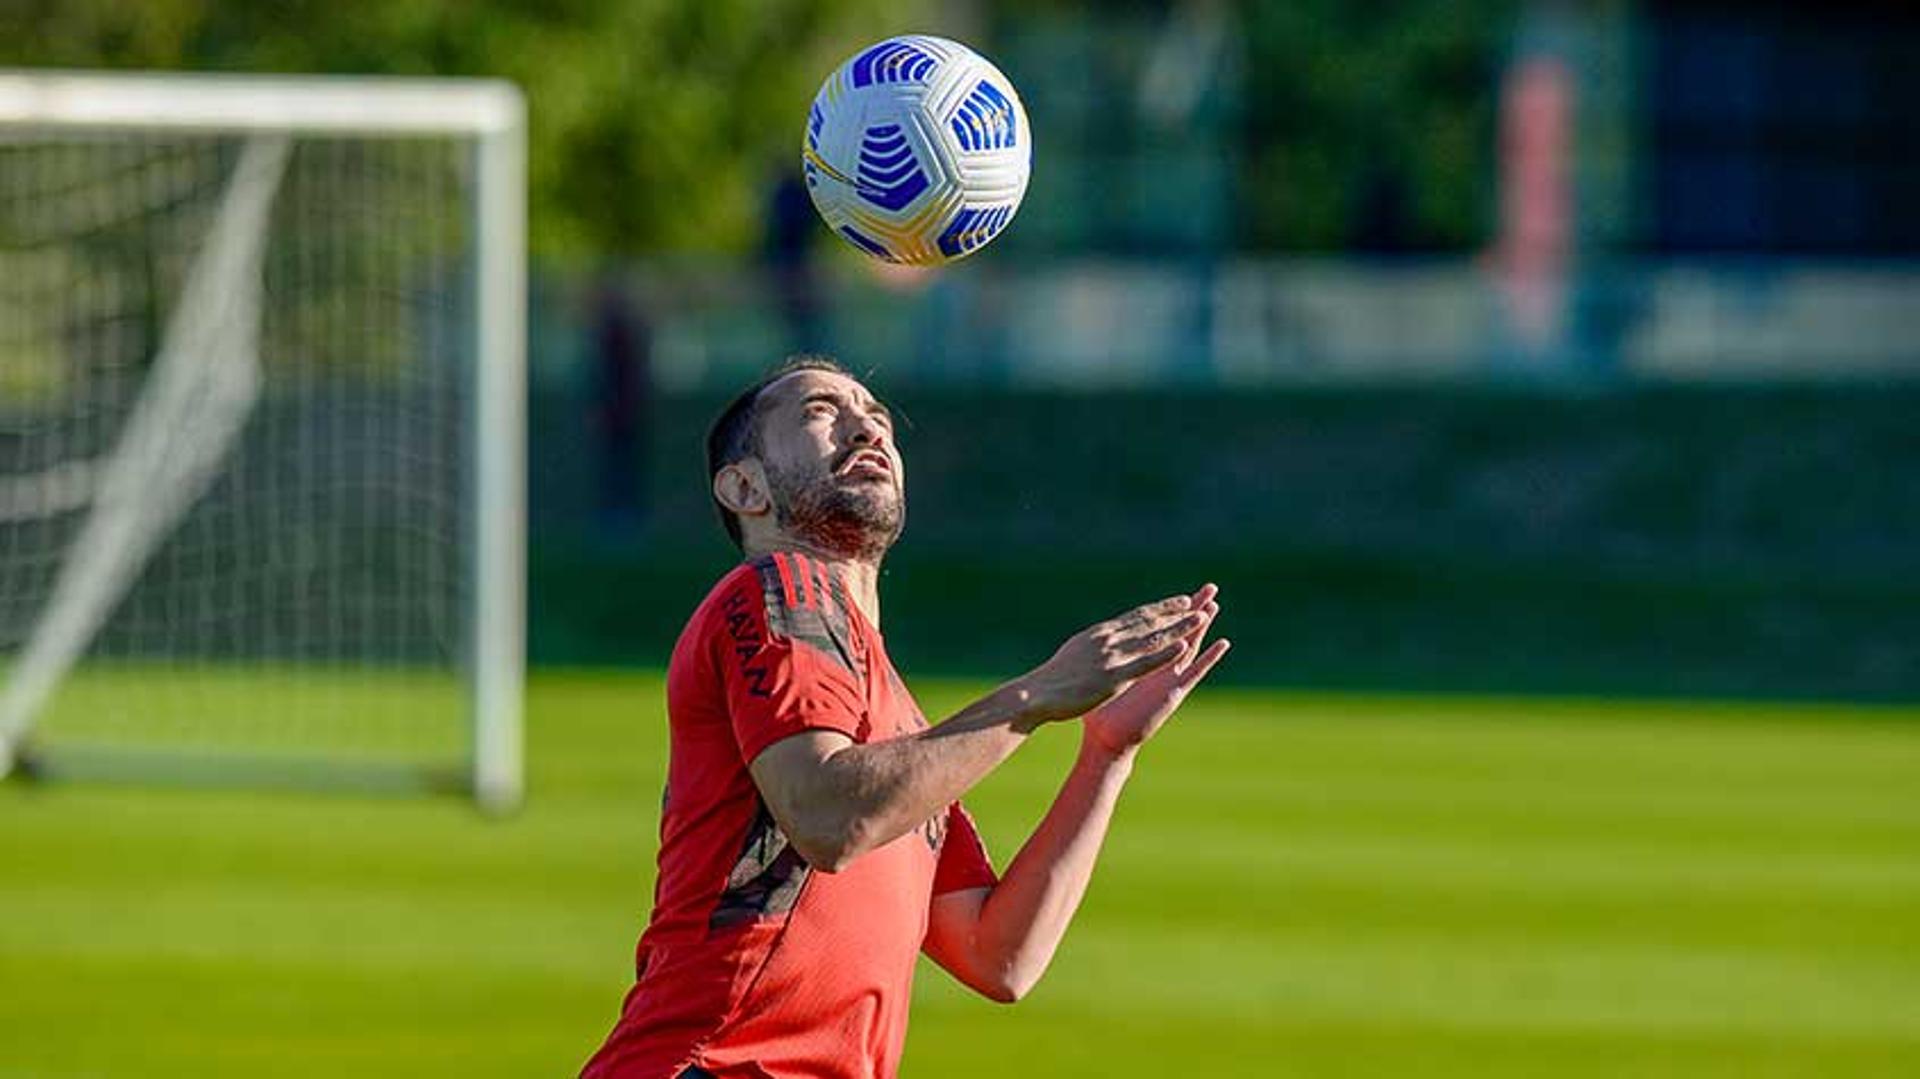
[
  {"x": 1102, "y": 659},
  {"x": 1119, "y": 726}
]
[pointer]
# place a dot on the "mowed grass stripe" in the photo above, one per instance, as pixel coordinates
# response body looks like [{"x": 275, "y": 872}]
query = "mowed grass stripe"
[
  {"x": 1297, "y": 885},
  {"x": 1514, "y": 865}
]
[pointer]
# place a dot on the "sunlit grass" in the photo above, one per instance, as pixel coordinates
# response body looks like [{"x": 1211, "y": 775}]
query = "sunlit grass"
[{"x": 1297, "y": 885}]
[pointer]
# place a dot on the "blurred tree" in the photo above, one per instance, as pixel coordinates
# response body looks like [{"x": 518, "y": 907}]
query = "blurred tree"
[
  {"x": 653, "y": 122},
  {"x": 1311, "y": 125},
  {"x": 1371, "y": 124}
]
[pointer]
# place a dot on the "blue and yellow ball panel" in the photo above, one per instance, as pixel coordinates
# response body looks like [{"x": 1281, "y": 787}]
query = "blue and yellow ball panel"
[
  {"x": 985, "y": 120},
  {"x": 889, "y": 174},
  {"x": 892, "y": 61},
  {"x": 971, "y": 228},
  {"x": 867, "y": 243}
]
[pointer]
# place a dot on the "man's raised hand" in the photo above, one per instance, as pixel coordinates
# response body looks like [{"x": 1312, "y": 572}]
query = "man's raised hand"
[
  {"x": 1104, "y": 658},
  {"x": 1120, "y": 725}
]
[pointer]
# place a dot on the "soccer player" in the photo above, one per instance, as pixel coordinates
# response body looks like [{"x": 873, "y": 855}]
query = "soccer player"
[{"x": 812, "y": 839}]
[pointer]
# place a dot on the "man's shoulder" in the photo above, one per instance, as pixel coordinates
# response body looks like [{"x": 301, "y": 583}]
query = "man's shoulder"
[
  {"x": 783, "y": 597},
  {"x": 743, "y": 594}
]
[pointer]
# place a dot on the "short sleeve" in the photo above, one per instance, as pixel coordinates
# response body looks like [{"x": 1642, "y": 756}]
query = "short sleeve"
[
  {"x": 785, "y": 668},
  {"x": 963, "y": 857}
]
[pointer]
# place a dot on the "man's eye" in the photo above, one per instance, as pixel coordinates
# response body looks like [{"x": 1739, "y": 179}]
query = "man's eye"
[{"x": 819, "y": 409}]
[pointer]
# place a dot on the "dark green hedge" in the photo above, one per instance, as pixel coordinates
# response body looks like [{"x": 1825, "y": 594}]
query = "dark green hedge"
[{"x": 1713, "y": 542}]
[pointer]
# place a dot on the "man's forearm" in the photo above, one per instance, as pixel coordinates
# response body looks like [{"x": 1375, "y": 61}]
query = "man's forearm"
[
  {"x": 866, "y": 796},
  {"x": 837, "y": 800},
  {"x": 1024, "y": 917},
  {"x": 999, "y": 940}
]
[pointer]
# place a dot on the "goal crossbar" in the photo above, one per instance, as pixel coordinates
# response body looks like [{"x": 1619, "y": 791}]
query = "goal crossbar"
[{"x": 309, "y": 104}]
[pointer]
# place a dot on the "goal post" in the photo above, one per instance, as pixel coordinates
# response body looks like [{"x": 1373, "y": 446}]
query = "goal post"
[{"x": 262, "y": 427}]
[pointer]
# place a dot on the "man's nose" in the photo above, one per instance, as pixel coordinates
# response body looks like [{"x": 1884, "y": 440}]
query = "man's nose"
[{"x": 868, "y": 431}]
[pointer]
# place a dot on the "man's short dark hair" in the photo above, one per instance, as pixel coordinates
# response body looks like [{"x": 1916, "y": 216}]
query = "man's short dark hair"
[{"x": 735, "y": 434}]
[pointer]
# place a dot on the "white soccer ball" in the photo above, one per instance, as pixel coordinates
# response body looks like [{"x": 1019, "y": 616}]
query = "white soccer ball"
[{"x": 917, "y": 150}]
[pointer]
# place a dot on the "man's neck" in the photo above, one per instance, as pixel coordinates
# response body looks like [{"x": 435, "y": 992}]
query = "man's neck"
[{"x": 861, "y": 577}]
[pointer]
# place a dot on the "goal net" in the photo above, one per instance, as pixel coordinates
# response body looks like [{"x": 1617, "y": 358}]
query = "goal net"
[{"x": 261, "y": 430}]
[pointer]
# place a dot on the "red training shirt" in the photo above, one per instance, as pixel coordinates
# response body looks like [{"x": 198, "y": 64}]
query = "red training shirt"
[{"x": 754, "y": 964}]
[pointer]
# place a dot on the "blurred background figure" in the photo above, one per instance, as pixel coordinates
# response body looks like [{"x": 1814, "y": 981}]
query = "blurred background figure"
[
  {"x": 791, "y": 228},
  {"x": 1534, "y": 247},
  {"x": 620, "y": 402}
]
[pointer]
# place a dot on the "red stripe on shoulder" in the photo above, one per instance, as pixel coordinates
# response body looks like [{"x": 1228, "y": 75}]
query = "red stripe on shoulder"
[
  {"x": 786, "y": 578},
  {"x": 804, "y": 566}
]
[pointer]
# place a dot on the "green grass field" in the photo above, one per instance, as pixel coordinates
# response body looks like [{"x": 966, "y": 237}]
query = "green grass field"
[{"x": 1297, "y": 885}]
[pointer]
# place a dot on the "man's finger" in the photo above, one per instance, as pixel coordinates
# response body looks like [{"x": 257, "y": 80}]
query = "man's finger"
[
  {"x": 1197, "y": 634},
  {"x": 1150, "y": 613},
  {"x": 1170, "y": 605},
  {"x": 1153, "y": 636},
  {"x": 1204, "y": 662},
  {"x": 1152, "y": 661}
]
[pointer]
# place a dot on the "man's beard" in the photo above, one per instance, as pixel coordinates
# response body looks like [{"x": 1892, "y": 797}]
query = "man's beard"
[{"x": 854, "y": 519}]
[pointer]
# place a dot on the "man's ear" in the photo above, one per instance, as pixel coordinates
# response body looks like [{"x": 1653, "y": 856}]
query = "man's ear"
[{"x": 742, "y": 488}]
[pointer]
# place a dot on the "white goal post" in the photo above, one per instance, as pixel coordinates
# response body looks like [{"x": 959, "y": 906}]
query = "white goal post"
[{"x": 262, "y": 427}]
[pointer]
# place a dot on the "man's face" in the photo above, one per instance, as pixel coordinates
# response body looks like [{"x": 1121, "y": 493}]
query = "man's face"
[{"x": 835, "y": 475}]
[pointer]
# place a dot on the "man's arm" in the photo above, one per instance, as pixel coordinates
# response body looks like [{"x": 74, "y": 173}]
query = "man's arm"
[
  {"x": 999, "y": 940},
  {"x": 836, "y": 799}
]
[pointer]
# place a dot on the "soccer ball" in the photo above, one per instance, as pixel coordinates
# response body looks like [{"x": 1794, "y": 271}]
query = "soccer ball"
[{"x": 917, "y": 150}]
